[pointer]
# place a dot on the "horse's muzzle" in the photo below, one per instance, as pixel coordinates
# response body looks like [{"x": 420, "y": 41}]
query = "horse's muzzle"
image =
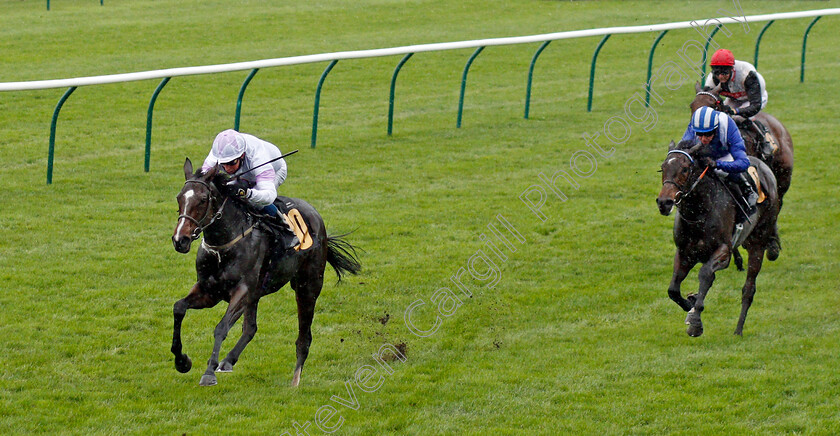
[
  {"x": 181, "y": 243},
  {"x": 665, "y": 205}
]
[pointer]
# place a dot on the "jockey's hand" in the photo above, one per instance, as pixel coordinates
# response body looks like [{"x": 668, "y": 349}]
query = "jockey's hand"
[
  {"x": 728, "y": 110},
  {"x": 709, "y": 162},
  {"x": 237, "y": 187}
]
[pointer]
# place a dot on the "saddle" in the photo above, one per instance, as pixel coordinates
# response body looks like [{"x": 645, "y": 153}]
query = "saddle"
[
  {"x": 290, "y": 218},
  {"x": 758, "y": 139}
]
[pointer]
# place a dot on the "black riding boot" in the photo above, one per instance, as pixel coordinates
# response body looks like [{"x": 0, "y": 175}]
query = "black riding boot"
[
  {"x": 288, "y": 234},
  {"x": 764, "y": 149},
  {"x": 281, "y": 225},
  {"x": 748, "y": 195}
]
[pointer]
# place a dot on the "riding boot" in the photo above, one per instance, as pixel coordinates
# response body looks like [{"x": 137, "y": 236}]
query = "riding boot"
[
  {"x": 282, "y": 224},
  {"x": 747, "y": 193},
  {"x": 764, "y": 149}
]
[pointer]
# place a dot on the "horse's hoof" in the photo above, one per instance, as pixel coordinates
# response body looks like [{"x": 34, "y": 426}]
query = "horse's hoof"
[
  {"x": 207, "y": 380},
  {"x": 183, "y": 364},
  {"x": 225, "y": 366},
  {"x": 694, "y": 331},
  {"x": 773, "y": 250}
]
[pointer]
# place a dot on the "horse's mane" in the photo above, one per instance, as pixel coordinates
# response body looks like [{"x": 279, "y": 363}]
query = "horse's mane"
[{"x": 696, "y": 150}]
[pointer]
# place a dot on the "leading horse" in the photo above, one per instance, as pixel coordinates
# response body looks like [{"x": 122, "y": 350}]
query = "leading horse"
[
  {"x": 237, "y": 262},
  {"x": 704, "y": 227}
]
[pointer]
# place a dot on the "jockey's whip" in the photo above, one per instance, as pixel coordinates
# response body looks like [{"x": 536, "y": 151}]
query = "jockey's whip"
[
  {"x": 737, "y": 203},
  {"x": 272, "y": 160}
]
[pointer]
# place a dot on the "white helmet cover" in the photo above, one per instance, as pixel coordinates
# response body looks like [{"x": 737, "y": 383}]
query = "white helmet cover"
[{"x": 228, "y": 146}]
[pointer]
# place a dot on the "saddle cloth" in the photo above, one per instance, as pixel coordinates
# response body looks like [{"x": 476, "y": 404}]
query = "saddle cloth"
[
  {"x": 295, "y": 220},
  {"x": 753, "y": 172}
]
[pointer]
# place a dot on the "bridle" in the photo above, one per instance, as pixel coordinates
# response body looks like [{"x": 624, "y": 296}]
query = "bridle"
[
  {"x": 718, "y": 101},
  {"x": 682, "y": 193},
  {"x": 199, "y": 223}
]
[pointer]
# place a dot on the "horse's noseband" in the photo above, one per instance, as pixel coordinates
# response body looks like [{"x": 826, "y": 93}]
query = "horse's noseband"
[
  {"x": 681, "y": 191},
  {"x": 199, "y": 227}
]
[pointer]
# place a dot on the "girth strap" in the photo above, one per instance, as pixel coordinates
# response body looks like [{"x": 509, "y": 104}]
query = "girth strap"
[{"x": 229, "y": 244}]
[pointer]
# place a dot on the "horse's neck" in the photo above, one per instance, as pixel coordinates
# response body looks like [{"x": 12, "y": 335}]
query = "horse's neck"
[
  {"x": 705, "y": 197},
  {"x": 232, "y": 223}
]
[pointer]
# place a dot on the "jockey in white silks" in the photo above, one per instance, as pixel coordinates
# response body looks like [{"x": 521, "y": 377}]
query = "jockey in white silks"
[{"x": 239, "y": 153}]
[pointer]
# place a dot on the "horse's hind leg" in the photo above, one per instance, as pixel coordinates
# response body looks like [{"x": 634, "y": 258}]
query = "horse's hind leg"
[
  {"x": 748, "y": 292},
  {"x": 306, "y": 294},
  {"x": 194, "y": 300}
]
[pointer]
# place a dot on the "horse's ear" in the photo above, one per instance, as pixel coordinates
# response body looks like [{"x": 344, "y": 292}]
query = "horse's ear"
[
  {"x": 672, "y": 146},
  {"x": 696, "y": 149},
  {"x": 188, "y": 169},
  {"x": 211, "y": 172},
  {"x": 697, "y": 87}
]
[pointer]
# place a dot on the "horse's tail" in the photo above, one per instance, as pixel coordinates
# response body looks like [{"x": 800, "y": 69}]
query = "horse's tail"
[{"x": 342, "y": 256}]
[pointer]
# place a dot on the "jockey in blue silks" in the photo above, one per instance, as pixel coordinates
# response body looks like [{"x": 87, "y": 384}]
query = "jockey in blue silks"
[{"x": 726, "y": 147}]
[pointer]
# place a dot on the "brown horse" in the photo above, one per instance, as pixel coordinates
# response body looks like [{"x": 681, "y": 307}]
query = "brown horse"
[
  {"x": 782, "y": 164},
  {"x": 704, "y": 227},
  {"x": 237, "y": 262}
]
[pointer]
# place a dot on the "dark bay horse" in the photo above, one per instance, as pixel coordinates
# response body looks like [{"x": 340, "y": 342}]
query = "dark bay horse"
[
  {"x": 236, "y": 263},
  {"x": 704, "y": 227}
]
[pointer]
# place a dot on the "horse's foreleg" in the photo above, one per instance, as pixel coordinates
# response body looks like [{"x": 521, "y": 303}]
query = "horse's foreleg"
[
  {"x": 249, "y": 329},
  {"x": 748, "y": 292},
  {"x": 681, "y": 269},
  {"x": 234, "y": 311},
  {"x": 719, "y": 261},
  {"x": 194, "y": 300}
]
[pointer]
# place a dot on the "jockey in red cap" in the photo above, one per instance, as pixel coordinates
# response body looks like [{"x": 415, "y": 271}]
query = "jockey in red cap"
[{"x": 744, "y": 89}]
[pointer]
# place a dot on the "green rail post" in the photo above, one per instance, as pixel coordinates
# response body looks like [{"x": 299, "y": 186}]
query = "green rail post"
[
  {"x": 318, "y": 100},
  {"x": 241, "y": 94},
  {"x": 706, "y": 49},
  {"x": 650, "y": 65},
  {"x": 531, "y": 76},
  {"x": 51, "y": 152},
  {"x": 592, "y": 70},
  {"x": 393, "y": 89},
  {"x": 149, "y": 113},
  {"x": 464, "y": 85},
  {"x": 758, "y": 41},
  {"x": 804, "y": 42},
  {"x": 48, "y": 4}
]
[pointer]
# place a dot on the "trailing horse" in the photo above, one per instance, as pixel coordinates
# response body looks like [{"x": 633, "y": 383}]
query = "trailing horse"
[
  {"x": 238, "y": 262},
  {"x": 704, "y": 227},
  {"x": 782, "y": 161}
]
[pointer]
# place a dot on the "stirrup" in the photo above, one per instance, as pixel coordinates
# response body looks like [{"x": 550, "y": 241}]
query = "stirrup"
[{"x": 739, "y": 227}]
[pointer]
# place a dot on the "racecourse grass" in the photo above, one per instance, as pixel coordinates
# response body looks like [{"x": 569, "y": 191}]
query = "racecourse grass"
[{"x": 577, "y": 337}]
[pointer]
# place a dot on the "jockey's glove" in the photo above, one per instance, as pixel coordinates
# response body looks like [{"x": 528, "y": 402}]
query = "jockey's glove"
[
  {"x": 709, "y": 162},
  {"x": 729, "y": 110},
  {"x": 237, "y": 187}
]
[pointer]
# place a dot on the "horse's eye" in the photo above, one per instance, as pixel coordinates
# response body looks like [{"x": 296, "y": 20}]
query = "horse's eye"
[{"x": 685, "y": 170}]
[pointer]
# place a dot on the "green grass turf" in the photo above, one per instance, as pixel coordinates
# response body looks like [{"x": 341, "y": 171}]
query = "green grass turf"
[{"x": 577, "y": 336}]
